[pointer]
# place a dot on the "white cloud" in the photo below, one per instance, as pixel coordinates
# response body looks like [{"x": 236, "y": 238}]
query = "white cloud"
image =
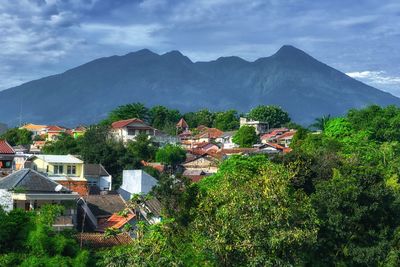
[{"x": 375, "y": 77}]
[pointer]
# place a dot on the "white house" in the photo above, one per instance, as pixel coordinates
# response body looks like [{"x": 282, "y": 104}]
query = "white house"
[
  {"x": 260, "y": 126},
  {"x": 126, "y": 130},
  {"x": 226, "y": 140},
  {"x": 136, "y": 182},
  {"x": 97, "y": 176}
]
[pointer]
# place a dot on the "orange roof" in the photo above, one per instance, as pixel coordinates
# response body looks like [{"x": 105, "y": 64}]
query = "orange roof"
[
  {"x": 115, "y": 221},
  {"x": 158, "y": 166},
  {"x": 123, "y": 123},
  {"x": 279, "y": 147},
  {"x": 33, "y": 127},
  {"x": 210, "y": 133},
  {"x": 286, "y": 135},
  {"x": 55, "y": 128},
  {"x": 182, "y": 123},
  {"x": 5, "y": 147},
  {"x": 98, "y": 240}
]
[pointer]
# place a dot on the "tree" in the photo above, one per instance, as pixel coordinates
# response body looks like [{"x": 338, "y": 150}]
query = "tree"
[
  {"x": 162, "y": 118},
  {"x": 128, "y": 111},
  {"x": 65, "y": 144},
  {"x": 320, "y": 123},
  {"x": 171, "y": 155},
  {"x": 142, "y": 148},
  {"x": 273, "y": 115},
  {"x": 15, "y": 136},
  {"x": 226, "y": 120},
  {"x": 255, "y": 218},
  {"x": 246, "y": 136}
]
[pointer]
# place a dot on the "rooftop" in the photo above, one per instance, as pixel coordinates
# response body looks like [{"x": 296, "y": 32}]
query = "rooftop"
[
  {"x": 5, "y": 147},
  {"x": 59, "y": 158}
]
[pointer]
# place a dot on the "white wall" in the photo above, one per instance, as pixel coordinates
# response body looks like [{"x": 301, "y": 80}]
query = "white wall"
[
  {"x": 6, "y": 200},
  {"x": 105, "y": 182},
  {"x": 137, "y": 181}
]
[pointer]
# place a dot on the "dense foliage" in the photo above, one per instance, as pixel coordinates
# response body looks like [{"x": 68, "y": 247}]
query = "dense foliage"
[
  {"x": 28, "y": 239},
  {"x": 16, "y": 136},
  {"x": 246, "y": 136},
  {"x": 273, "y": 115}
]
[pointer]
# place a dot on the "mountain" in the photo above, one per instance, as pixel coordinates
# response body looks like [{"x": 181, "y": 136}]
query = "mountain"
[{"x": 300, "y": 84}]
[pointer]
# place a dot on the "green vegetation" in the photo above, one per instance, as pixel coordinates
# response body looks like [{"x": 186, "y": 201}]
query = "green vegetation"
[
  {"x": 16, "y": 136},
  {"x": 246, "y": 136},
  {"x": 274, "y": 115},
  {"x": 171, "y": 155},
  {"x": 28, "y": 239}
]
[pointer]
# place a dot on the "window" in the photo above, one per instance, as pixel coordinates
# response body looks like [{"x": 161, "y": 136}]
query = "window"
[
  {"x": 131, "y": 132},
  {"x": 58, "y": 169},
  {"x": 71, "y": 169},
  {"x": 92, "y": 183}
]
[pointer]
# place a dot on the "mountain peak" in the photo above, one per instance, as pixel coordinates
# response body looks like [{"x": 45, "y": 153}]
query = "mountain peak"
[
  {"x": 143, "y": 52},
  {"x": 290, "y": 50}
]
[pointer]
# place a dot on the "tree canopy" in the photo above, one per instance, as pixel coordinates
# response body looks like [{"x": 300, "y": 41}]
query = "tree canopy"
[
  {"x": 246, "y": 136},
  {"x": 275, "y": 116}
]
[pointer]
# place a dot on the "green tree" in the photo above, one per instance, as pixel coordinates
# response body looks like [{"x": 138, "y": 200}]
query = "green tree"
[
  {"x": 246, "y": 136},
  {"x": 163, "y": 118},
  {"x": 171, "y": 155},
  {"x": 226, "y": 120},
  {"x": 128, "y": 111},
  {"x": 65, "y": 144},
  {"x": 320, "y": 123},
  {"x": 16, "y": 136},
  {"x": 255, "y": 218},
  {"x": 273, "y": 115},
  {"x": 142, "y": 148}
]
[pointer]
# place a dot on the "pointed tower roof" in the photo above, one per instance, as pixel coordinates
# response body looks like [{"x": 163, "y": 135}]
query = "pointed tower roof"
[{"x": 182, "y": 123}]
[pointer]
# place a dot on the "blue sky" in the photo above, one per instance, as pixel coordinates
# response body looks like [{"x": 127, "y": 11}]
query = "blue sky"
[{"x": 44, "y": 37}]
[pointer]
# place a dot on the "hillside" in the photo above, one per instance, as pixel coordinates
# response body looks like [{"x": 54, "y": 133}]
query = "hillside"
[{"x": 302, "y": 85}]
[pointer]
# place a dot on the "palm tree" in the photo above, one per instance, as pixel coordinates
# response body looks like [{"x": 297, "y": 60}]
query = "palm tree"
[{"x": 321, "y": 122}]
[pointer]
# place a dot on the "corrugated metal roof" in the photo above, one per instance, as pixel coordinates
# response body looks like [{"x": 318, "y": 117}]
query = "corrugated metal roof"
[{"x": 59, "y": 158}]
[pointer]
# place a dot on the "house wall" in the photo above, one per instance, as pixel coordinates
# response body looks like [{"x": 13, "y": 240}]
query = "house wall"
[
  {"x": 202, "y": 164},
  {"x": 41, "y": 166},
  {"x": 137, "y": 182}
]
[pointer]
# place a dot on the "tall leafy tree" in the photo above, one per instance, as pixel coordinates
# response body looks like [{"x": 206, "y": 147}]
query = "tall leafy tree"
[
  {"x": 16, "y": 136},
  {"x": 163, "y": 118},
  {"x": 275, "y": 116},
  {"x": 246, "y": 136},
  {"x": 128, "y": 111},
  {"x": 65, "y": 144},
  {"x": 171, "y": 155},
  {"x": 226, "y": 120},
  {"x": 142, "y": 148}
]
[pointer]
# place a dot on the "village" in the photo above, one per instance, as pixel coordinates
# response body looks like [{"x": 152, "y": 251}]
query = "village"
[{"x": 95, "y": 206}]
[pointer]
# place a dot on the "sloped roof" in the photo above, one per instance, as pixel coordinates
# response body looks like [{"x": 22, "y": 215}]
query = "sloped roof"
[
  {"x": 123, "y": 123},
  {"x": 182, "y": 123},
  {"x": 5, "y": 147},
  {"x": 154, "y": 205},
  {"x": 33, "y": 127},
  {"x": 115, "y": 221},
  {"x": 105, "y": 205},
  {"x": 59, "y": 158},
  {"x": 98, "y": 240},
  {"x": 55, "y": 128},
  {"x": 95, "y": 170},
  {"x": 286, "y": 135},
  {"x": 209, "y": 133},
  {"x": 30, "y": 181}
]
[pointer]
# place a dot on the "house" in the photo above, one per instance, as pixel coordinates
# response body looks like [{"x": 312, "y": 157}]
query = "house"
[
  {"x": 36, "y": 129},
  {"x": 97, "y": 176},
  {"x": 205, "y": 146},
  {"x": 36, "y": 147},
  {"x": 117, "y": 222},
  {"x": 207, "y": 134},
  {"x": 29, "y": 190},
  {"x": 259, "y": 126},
  {"x": 53, "y": 132},
  {"x": 182, "y": 126},
  {"x": 226, "y": 140},
  {"x": 21, "y": 156},
  {"x": 136, "y": 182},
  {"x": 96, "y": 209},
  {"x": 206, "y": 162},
  {"x": 272, "y": 135},
  {"x": 78, "y": 131},
  {"x": 163, "y": 139},
  {"x": 64, "y": 169},
  {"x": 286, "y": 138},
  {"x": 195, "y": 175},
  {"x": 99, "y": 241},
  {"x": 126, "y": 130},
  {"x": 7, "y": 155}
]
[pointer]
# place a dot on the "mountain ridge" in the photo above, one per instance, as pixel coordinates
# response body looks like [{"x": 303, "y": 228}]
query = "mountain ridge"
[{"x": 290, "y": 78}]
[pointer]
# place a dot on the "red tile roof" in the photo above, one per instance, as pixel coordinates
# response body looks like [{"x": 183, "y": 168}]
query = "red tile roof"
[
  {"x": 5, "y": 148},
  {"x": 182, "y": 123},
  {"x": 212, "y": 133},
  {"x": 123, "y": 123},
  {"x": 55, "y": 128},
  {"x": 115, "y": 221},
  {"x": 286, "y": 135},
  {"x": 279, "y": 147},
  {"x": 98, "y": 240}
]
